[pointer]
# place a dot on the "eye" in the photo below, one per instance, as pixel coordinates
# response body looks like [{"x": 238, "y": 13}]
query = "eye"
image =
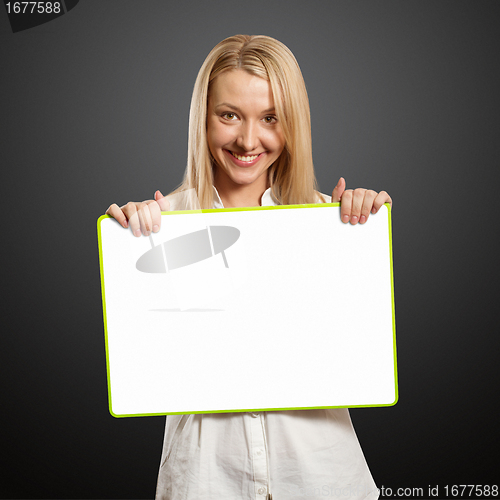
[
  {"x": 270, "y": 119},
  {"x": 230, "y": 116}
]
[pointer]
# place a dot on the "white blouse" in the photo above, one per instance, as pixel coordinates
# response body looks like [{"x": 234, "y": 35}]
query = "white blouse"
[{"x": 278, "y": 455}]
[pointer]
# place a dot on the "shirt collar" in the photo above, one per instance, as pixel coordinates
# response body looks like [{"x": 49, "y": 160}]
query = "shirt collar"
[{"x": 267, "y": 199}]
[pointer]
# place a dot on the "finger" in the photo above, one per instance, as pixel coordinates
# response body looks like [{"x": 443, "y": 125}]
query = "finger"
[
  {"x": 145, "y": 218},
  {"x": 115, "y": 212},
  {"x": 345, "y": 206},
  {"x": 155, "y": 212},
  {"x": 338, "y": 190},
  {"x": 162, "y": 201},
  {"x": 381, "y": 198},
  {"x": 357, "y": 203},
  {"x": 130, "y": 210},
  {"x": 370, "y": 196}
]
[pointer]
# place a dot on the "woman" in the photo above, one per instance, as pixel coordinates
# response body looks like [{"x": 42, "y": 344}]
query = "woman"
[{"x": 250, "y": 145}]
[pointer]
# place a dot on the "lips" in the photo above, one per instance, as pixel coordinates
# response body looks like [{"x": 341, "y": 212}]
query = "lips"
[{"x": 243, "y": 160}]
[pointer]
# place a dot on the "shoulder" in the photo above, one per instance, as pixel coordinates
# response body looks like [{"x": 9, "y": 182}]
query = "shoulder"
[
  {"x": 183, "y": 200},
  {"x": 326, "y": 198}
]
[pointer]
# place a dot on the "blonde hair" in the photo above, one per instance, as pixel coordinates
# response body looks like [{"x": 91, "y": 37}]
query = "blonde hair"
[{"x": 291, "y": 176}]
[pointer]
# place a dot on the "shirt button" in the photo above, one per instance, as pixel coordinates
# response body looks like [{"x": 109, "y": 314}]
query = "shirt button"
[
  {"x": 261, "y": 491},
  {"x": 254, "y": 415},
  {"x": 259, "y": 453}
]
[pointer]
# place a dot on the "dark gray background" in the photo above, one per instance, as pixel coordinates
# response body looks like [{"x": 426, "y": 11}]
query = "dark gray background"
[{"x": 94, "y": 110}]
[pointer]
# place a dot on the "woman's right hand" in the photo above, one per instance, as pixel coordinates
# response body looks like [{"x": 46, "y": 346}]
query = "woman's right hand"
[{"x": 143, "y": 217}]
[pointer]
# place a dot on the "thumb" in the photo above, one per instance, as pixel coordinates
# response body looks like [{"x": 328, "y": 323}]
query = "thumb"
[
  {"x": 338, "y": 190},
  {"x": 162, "y": 201}
]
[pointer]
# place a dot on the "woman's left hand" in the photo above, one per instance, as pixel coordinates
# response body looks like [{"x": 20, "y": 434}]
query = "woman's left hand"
[{"x": 356, "y": 205}]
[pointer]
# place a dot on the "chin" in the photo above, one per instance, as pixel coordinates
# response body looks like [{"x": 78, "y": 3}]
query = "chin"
[{"x": 244, "y": 180}]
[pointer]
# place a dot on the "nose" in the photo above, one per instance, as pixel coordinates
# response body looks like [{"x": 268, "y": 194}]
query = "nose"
[{"x": 248, "y": 137}]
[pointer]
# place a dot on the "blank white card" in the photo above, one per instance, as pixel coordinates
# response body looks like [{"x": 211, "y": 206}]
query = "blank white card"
[{"x": 249, "y": 309}]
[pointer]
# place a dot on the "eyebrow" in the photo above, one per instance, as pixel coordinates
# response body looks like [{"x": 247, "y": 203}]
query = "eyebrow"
[{"x": 228, "y": 105}]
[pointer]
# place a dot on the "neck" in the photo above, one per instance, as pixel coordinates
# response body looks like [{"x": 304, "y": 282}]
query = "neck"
[{"x": 235, "y": 195}]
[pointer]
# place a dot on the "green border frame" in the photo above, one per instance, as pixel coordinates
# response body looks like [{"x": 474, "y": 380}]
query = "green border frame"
[{"x": 277, "y": 207}]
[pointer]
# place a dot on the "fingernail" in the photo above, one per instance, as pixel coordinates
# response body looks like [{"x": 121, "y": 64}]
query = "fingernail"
[
  {"x": 362, "y": 219},
  {"x": 374, "y": 210},
  {"x": 137, "y": 232},
  {"x": 354, "y": 219},
  {"x": 156, "y": 228},
  {"x": 147, "y": 233},
  {"x": 338, "y": 183},
  {"x": 345, "y": 218},
  {"x": 125, "y": 223}
]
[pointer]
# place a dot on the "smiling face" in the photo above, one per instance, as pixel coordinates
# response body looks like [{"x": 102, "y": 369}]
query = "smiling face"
[{"x": 243, "y": 132}]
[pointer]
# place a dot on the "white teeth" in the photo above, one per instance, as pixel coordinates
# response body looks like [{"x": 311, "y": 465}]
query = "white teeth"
[{"x": 244, "y": 158}]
